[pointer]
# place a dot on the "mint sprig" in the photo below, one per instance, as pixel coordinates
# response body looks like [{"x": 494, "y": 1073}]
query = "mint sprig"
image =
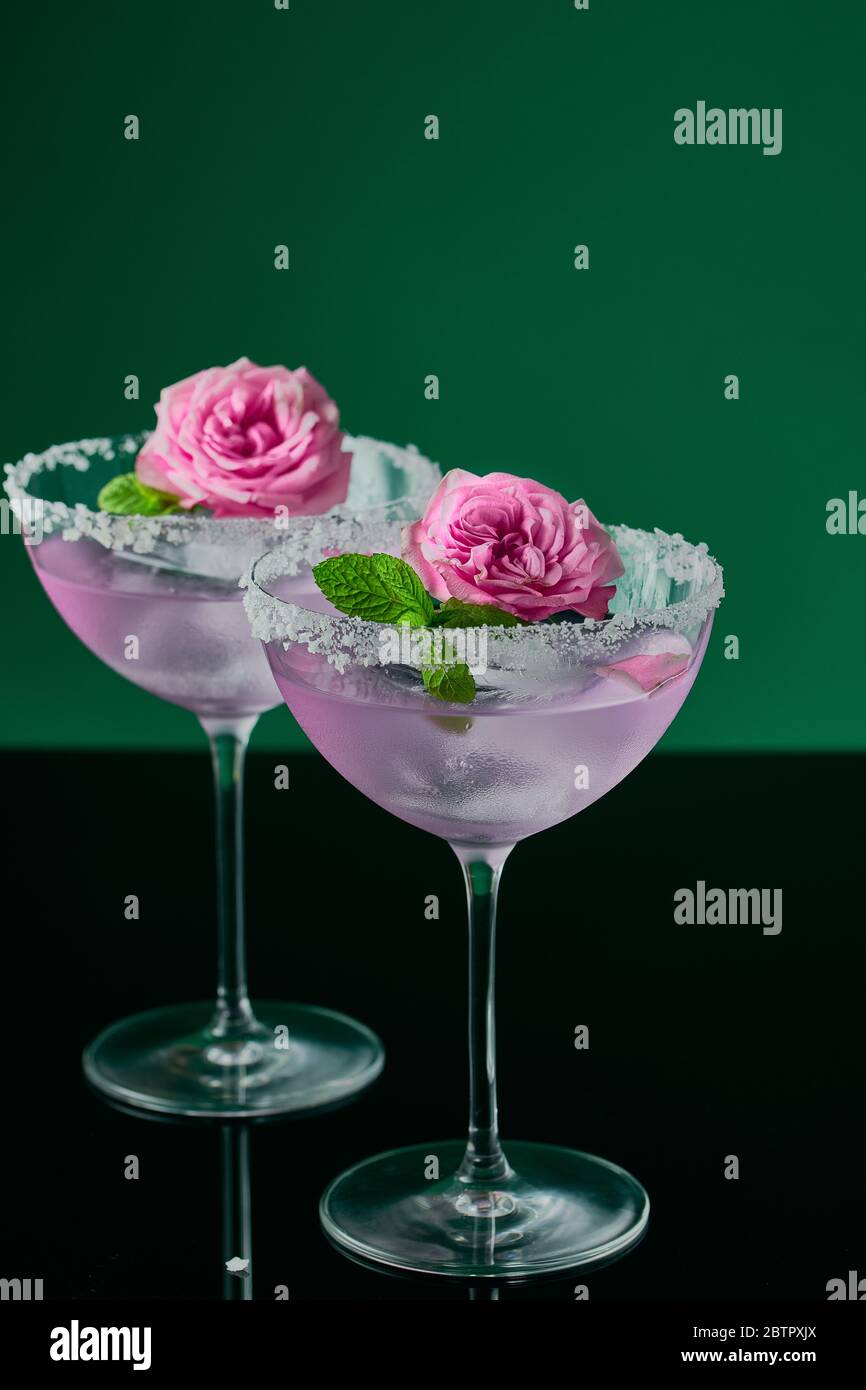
[
  {"x": 455, "y": 684},
  {"x": 126, "y": 495},
  {"x": 380, "y": 588},
  {"x": 385, "y": 589}
]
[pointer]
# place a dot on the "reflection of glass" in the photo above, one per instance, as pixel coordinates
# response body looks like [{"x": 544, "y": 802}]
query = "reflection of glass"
[
  {"x": 157, "y": 599},
  {"x": 237, "y": 1227},
  {"x": 562, "y": 713}
]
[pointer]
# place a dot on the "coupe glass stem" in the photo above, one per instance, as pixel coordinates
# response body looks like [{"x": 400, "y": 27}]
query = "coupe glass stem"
[
  {"x": 233, "y": 1016},
  {"x": 484, "y": 1163}
]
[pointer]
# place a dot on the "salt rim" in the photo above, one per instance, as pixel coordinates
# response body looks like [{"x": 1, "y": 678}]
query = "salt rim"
[
  {"x": 307, "y": 538},
  {"x": 348, "y": 641}
]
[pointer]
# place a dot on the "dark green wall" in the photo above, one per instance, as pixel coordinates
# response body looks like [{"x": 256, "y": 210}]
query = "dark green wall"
[{"x": 410, "y": 257}]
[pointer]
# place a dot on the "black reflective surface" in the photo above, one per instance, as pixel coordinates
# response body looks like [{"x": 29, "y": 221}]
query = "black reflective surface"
[{"x": 704, "y": 1041}]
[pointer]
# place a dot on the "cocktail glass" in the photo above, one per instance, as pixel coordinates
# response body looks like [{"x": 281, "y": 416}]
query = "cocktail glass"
[
  {"x": 563, "y": 712},
  {"x": 157, "y": 599}
]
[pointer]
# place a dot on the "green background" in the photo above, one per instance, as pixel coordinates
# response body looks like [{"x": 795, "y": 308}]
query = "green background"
[{"x": 455, "y": 257}]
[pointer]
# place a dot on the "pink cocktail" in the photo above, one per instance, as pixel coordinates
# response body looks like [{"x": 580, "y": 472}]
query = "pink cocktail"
[
  {"x": 561, "y": 713},
  {"x": 513, "y": 764},
  {"x": 157, "y": 598},
  {"x": 179, "y": 634}
]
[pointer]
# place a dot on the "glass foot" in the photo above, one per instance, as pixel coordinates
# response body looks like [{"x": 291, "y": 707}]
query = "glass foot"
[
  {"x": 556, "y": 1210},
  {"x": 296, "y": 1058}
]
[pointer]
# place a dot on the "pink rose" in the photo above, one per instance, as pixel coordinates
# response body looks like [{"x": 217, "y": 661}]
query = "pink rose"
[
  {"x": 514, "y": 543},
  {"x": 245, "y": 439}
]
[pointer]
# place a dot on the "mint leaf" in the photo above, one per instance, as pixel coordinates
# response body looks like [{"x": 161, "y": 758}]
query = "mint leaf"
[
  {"x": 125, "y": 495},
  {"x": 381, "y": 588},
  {"x": 456, "y": 613},
  {"x": 453, "y": 683}
]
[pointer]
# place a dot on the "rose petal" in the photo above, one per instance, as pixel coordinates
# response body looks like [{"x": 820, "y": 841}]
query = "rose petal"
[{"x": 649, "y": 671}]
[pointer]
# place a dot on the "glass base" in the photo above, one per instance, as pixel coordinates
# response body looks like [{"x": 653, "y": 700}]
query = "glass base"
[
  {"x": 557, "y": 1209},
  {"x": 297, "y": 1058}
]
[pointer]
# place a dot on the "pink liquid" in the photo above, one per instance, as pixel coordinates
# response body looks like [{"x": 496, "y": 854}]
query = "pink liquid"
[
  {"x": 490, "y": 773},
  {"x": 194, "y": 646}
]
